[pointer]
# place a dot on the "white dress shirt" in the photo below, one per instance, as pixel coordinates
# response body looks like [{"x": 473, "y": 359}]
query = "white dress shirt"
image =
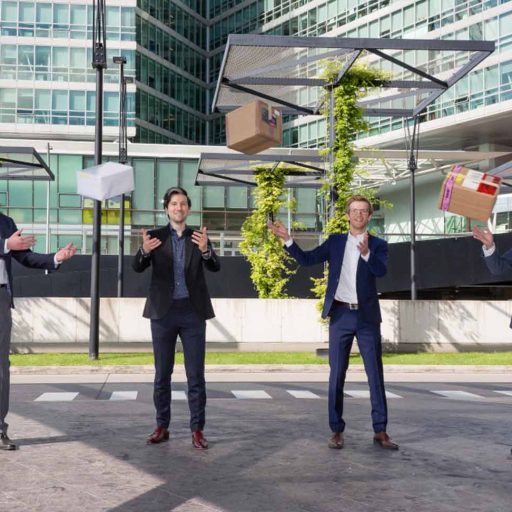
[
  {"x": 347, "y": 291},
  {"x": 490, "y": 251}
]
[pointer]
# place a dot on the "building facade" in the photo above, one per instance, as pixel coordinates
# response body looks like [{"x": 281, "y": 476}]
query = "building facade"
[{"x": 174, "y": 50}]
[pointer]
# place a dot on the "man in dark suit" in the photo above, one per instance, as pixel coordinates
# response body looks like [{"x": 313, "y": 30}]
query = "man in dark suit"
[
  {"x": 355, "y": 261},
  {"x": 178, "y": 304},
  {"x": 14, "y": 245},
  {"x": 496, "y": 263}
]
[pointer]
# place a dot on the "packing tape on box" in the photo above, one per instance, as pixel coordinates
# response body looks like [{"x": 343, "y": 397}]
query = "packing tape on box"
[{"x": 448, "y": 189}]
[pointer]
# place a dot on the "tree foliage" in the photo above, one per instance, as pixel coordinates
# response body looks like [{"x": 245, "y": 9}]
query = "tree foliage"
[{"x": 270, "y": 263}]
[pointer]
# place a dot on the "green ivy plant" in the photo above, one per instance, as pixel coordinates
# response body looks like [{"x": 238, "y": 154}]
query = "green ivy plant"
[
  {"x": 348, "y": 121},
  {"x": 270, "y": 263}
]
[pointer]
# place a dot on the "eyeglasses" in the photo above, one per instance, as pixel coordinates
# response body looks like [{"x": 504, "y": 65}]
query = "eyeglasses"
[{"x": 364, "y": 211}]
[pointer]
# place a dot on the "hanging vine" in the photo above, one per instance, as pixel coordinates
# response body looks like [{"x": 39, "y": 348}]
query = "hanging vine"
[
  {"x": 348, "y": 122},
  {"x": 270, "y": 263}
]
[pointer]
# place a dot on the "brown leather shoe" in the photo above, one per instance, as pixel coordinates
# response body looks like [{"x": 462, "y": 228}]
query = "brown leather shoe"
[
  {"x": 199, "y": 441},
  {"x": 6, "y": 443},
  {"x": 384, "y": 441},
  {"x": 336, "y": 441},
  {"x": 159, "y": 435}
]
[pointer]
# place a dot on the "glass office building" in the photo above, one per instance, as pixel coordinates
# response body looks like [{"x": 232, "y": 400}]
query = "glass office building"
[{"x": 174, "y": 50}]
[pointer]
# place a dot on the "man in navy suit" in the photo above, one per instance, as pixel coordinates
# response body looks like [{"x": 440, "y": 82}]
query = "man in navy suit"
[
  {"x": 496, "y": 263},
  {"x": 355, "y": 261},
  {"x": 14, "y": 245}
]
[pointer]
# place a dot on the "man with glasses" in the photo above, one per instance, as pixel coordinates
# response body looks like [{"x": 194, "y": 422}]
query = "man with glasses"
[{"x": 355, "y": 260}]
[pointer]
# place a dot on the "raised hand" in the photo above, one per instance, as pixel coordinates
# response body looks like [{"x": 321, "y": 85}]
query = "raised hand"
[
  {"x": 200, "y": 238},
  {"x": 279, "y": 230},
  {"x": 65, "y": 253},
  {"x": 363, "y": 245},
  {"x": 483, "y": 235},
  {"x": 148, "y": 243},
  {"x": 16, "y": 242}
]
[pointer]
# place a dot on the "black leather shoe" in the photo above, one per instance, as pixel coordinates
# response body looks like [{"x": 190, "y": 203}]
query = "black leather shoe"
[
  {"x": 6, "y": 443},
  {"x": 199, "y": 441},
  {"x": 336, "y": 441},
  {"x": 384, "y": 441},
  {"x": 159, "y": 435}
]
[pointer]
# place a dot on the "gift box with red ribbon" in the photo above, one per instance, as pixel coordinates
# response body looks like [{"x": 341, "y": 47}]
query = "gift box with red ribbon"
[{"x": 469, "y": 193}]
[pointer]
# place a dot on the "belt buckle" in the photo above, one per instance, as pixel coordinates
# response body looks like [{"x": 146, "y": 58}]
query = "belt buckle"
[{"x": 353, "y": 307}]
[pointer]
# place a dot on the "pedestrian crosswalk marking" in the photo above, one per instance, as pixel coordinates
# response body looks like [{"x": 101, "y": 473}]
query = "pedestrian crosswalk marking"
[
  {"x": 508, "y": 393},
  {"x": 124, "y": 395},
  {"x": 365, "y": 393},
  {"x": 247, "y": 394},
  {"x": 56, "y": 397},
  {"x": 298, "y": 393},
  {"x": 244, "y": 394},
  {"x": 457, "y": 395}
]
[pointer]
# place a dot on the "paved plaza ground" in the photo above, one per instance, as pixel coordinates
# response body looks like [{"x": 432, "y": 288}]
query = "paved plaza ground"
[{"x": 83, "y": 448}]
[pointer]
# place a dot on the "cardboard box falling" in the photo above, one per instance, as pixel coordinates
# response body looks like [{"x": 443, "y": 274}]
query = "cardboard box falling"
[
  {"x": 469, "y": 193},
  {"x": 254, "y": 127}
]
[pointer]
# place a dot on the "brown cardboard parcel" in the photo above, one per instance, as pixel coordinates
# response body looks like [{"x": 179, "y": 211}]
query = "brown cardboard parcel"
[
  {"x": 250, "y": 129},
  {"x": 469, "y": 193}
]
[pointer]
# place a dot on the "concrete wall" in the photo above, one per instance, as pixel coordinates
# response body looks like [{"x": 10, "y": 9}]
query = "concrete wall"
[{"x": 253, "y": 324}]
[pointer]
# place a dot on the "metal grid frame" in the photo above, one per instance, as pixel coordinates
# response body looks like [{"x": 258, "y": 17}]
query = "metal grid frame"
[
  {"x": 377, "y": 167},
  {"x": 243, "y": 71},
  {"x": 23, "y": 169}
]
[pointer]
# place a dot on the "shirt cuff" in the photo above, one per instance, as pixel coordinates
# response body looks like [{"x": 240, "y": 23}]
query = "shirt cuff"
[
  {"x": 289, "y": 242},
  {"x": 490, "y": 251},
  {"x": 6, "y": 249},
  {"x": 206, "y": 255},
  {"x": 57, "y": 263},
  {"x": 367, "y": 257}
]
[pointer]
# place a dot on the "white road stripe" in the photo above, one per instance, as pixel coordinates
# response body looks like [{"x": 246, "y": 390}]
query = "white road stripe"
[
  {"x": 250, "y": 394},
  {"x": 179, "y": 395},
  {"x": 364, "y": 393},
  {"x": 124, "y": 395},
  {"x": 508, "y": 393},
  {"x": 56, "y": 397},
  {"x": 301, "y": 393},
  {"x": 458, "y": 395}
]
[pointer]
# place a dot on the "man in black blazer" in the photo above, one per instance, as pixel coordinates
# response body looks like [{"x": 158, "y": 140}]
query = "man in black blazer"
[
  {"x": 14, "y": 245},
  {"x": 355, "y": 260},
  {"x": 178, "y": 303}
]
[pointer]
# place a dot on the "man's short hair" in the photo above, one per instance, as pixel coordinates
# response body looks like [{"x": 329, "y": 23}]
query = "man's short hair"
[
  {"x": 173, "y": 191},
  {"x": 353, "y": 199}
]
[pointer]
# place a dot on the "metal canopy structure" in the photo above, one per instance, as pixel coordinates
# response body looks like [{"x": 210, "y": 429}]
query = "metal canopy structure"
[
  {"x": 23, "y": 163},
  {"x": 287, "y": 73},
  {"x": 280, "y": 69},
  {"x": 236, "y": 169},
  {"x": 375, "y": 168}
]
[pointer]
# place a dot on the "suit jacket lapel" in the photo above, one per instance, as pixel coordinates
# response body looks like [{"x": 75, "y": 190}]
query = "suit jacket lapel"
[
  {"x": 339, "y": 253},
  {"x": 189, "y": 247}
]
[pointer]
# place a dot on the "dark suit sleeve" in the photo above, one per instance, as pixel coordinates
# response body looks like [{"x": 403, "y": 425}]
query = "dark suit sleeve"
[
  {"x": 141, "y": 262},
  {"x": 213, "y": 262},
  {"x": 498, "y": 264},
  {"x": 28, "y": 258},
  {"x": 306, "y": 258},
  {"x": 378, "y": 260}
]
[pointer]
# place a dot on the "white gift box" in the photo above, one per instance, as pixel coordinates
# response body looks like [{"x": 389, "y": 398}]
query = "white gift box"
[{"x": 105, "y": 181}]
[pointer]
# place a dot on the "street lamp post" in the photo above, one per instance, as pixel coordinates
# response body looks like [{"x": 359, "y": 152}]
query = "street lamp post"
[
  {"x": 123, "y": 159},
  {"x": 99, "y": 62}
]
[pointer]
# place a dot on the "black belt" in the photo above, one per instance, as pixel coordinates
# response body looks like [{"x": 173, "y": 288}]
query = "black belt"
[
  {"x": 3, "y": 285},
  {"x": 345, "y": 304}
]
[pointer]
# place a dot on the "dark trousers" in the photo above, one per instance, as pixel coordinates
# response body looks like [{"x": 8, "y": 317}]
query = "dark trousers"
[
  {"x": 181, "y": 320},
  {"x": 344, "y": 325},
  {"x": 5, "y": 343}
]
